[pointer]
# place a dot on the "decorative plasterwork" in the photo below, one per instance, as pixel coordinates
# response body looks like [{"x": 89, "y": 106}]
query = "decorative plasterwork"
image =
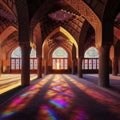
[
  {"x": 90, "y": 16},
  {"x": 84, "y": 10},
  {"x": 61, "y": 15},
  {"x": 7, "y": 15}
]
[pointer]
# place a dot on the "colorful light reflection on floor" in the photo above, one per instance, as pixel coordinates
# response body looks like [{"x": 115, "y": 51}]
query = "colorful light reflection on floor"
[
  {"x": 100, "y": 96},
  {"x": 60, "y": 102},
  {"x": 18, "y": 103}
]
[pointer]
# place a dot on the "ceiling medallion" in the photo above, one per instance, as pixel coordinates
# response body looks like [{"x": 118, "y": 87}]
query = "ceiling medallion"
[{"x": 61, "y": 15}]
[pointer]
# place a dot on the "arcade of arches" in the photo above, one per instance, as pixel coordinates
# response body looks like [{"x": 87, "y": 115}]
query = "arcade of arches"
[
  {"x": 64, "y": 37},
  {"x": 73, "y": 26}
]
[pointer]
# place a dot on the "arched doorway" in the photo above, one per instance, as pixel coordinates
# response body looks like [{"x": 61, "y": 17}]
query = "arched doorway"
[
  {"x": 59, "y": 60},
  {"x": 16, "y": 61},
  {"x": 90, "y": 62}
]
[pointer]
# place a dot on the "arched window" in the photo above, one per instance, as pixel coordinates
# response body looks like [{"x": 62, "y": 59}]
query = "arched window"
[
  {"x": 60, "y": 59},
  {"x": 91, "y": 60},
  {"x": 16, "y": 53},
  {"x": 91, "y": 52},
  {"x": 16, "y": 61}
]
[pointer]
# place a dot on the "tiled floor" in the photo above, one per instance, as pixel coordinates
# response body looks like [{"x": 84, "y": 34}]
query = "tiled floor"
[{"x": 61, "y": 97}]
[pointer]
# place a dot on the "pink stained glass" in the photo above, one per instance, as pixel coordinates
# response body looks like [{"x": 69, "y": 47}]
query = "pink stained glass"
[
  {"x": 60, "y": 59},
  {"x": 16, "y": 61},
  {"x": 17, "y": 53},
  {"x": 60, "y": 53},
  {"x": 91, "y": 52}
]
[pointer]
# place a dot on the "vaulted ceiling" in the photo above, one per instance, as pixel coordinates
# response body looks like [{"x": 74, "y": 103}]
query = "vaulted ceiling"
[{"x": 51, "y": 15}]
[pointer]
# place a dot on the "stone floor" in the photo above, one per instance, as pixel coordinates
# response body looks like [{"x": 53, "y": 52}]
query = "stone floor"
[{"x": 61, "y": 97}]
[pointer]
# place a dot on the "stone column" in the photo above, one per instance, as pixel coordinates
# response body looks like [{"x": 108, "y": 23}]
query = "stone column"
[
  {"x": 80, "y": 75},
  {"x": 25, "y": 72},
  {"x": 45, "y": 67},
  {"x": 104, "y": 66},
  {"x": 39, "y": 69},
  {"x": 115, "y": 66},
  {"x": 73, "y": 66}
]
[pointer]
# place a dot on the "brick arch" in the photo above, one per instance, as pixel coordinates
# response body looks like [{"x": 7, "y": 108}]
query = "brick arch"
[
  {"x": 8, "y": 31},
  {"x": 66, "y": 33},
  {"x": 11, "y": 50},
  {"x": 108, "y": 20},
  {"x": 36, "y": 18},
  {"x": 10, "y": 7},
  {"x": 82, "y": 37},
  {"x": 90, "y": 16}
]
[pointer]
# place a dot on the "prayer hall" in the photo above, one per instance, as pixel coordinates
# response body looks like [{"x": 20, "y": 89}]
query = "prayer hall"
[{"x": 59, "y": 59}]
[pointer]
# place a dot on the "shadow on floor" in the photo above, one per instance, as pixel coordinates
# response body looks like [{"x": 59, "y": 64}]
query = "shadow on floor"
[
  {"x": 7, "y": 95},
  {"x": 114, "y": 84}
]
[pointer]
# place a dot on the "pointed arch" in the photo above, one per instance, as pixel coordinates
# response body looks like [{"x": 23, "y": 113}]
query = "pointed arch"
[
  {"x": 8, "y": 31},
  {"x": 66, "y": 33},
  {"x": 91, "y": 52},
  {"x": 90, "y": 16}
]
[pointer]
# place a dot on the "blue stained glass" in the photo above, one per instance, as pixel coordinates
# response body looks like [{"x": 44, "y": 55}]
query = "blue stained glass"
[
  {"x": 91, "y": 52},
  {"x": 17, "y": 53},
  {"x": 33, "y": 53},
  {"x": 60, "y": 53}
]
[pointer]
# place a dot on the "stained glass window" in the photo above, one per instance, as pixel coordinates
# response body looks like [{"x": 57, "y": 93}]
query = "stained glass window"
[
  {"x": 60, "y": 59},
  {"x": 17, "y": 53},
  {"x": 60, "y": 53},
  {"x": 92, "y": 52},
  {"x": 33, "y": 53},
  {"x": 91, "y": 61},
  {"x": 16, "y": 59}
]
